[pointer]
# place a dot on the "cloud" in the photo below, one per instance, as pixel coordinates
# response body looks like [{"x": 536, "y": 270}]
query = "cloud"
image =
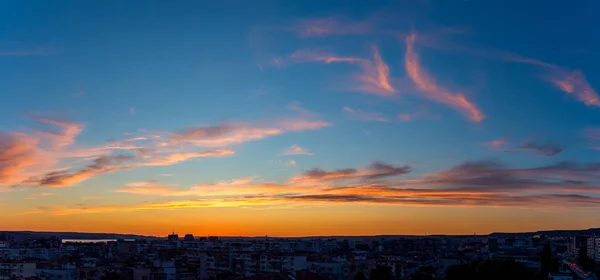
[
  {"x": 364, "y": 116},
  {"x": 497, "y": 143},
  {"x": 296, "y": 106},
  {"x": 432, "y": 90},
  {"x": 574, "y": 83},
  {"x": 373, "y": 79},
  {"x": 100, "y": 165},
  {"x": 468, "y": 184},
  {"x": 20, "y": 158},
  {"x": 153, "y": 188},
  {"x": 176, "y": 158},
  {"x": 50, "y": 157},
  {"x": 65, "y": 137},
  {"x": 295, "y": 150},
  {"x": 131, "y": 111},
  {"x": 592, "y": 133},
  {"x": 329, "y": 26},
  {"x": 570, "y": 81},
  {"x": 542, "y": 149},
  {"x": 223, "y": 135},
  {"x": 291, "y": 162},
  {"x": 301, "y": 125},
  {"x": 236, "y": 133},
  {"x": 376, "y": 170}
]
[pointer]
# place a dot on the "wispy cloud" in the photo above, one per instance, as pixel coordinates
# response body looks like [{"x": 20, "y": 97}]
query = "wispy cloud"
[
  {"x": 100, "y": 165},
  {"x": 376, "y": 170},
  {"x": 570, "y": 81},
  {"x": 224, "y": 135},
  {"x": 66, "y": 136},
  {"x": 302, "y": 125},
  {"x": 373, "y": 79},
  {"x": 574, "y": 83},
  {"x": 321, "y": 27},
  {"x": 296, "y": 106},
  {"x": 358, "y": 114},
  {"x": 295, "y": 150},
  {"x": 432, "y": 90},
  {"x": 547, "y": 148},
  {"x": 176, "y": 158},
  {"x": 235, "y": 133},
  {"x": 497, "y": 143}
]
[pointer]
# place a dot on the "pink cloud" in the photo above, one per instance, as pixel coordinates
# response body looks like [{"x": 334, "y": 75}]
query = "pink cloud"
[
  {"x": 153, "y": 188},
  {"x": 374, "y": 77},
  {"x": 569, "y": 81},
  {"x": 574, "y": 82},
  {"x": 432, "y": 90},
  {"x": 329, "y": 26},
  {"x": 497, "y": 143}
]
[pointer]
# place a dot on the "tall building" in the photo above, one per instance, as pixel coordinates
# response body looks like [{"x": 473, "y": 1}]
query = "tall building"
[
  {"x": 577, "y": 243},
  {"x": 593, "y": 248}
]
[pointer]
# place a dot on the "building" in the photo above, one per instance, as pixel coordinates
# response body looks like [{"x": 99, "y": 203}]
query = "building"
[
  {"x": 12, "y": 270},
  {"x": 188, "y": 237},
  {"x": 593, "y": 248},
  {"x": 560, "y": 276},
  {"x": 577, "y": 243}
]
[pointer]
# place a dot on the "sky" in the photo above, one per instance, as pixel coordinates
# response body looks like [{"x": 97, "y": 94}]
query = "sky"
[{"x": 299, "y": 118}]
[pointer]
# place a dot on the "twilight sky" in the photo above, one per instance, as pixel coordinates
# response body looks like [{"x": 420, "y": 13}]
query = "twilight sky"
[{"x": 305, "y": 118}]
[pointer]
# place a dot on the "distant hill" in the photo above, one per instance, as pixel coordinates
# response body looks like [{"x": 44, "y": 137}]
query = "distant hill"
[
  {"x": 21, "y": 235},
  {"x": 591, "y": 231}
]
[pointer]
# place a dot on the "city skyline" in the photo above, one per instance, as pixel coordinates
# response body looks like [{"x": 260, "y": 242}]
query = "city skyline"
[{"x": 299, "y": 119}]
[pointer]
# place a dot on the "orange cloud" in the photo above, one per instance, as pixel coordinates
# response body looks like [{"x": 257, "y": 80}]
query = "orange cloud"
[
  {"x": 66, "y": 136},
  {"x": 373, "y": 79},
  {"x": 45, "y": 158},
  {"x": 469, "y": 184},
  {"x": 433, "y": 91},
  {"x": 176, "y": 158},
  {"x": 301, "y": 125},
  {"x": 223, "y": 135},
  {"x": 20, "y": 158},
  {"x": 364, "y": 116}
]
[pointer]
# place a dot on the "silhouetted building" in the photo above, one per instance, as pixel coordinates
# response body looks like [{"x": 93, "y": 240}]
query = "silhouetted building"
[{"x": 188, "y": 237}]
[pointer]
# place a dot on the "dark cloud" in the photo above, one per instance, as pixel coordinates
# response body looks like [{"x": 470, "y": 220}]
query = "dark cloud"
[
  {"x": 547, "y": 148},
  {"x": 100, "y": 165}
]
